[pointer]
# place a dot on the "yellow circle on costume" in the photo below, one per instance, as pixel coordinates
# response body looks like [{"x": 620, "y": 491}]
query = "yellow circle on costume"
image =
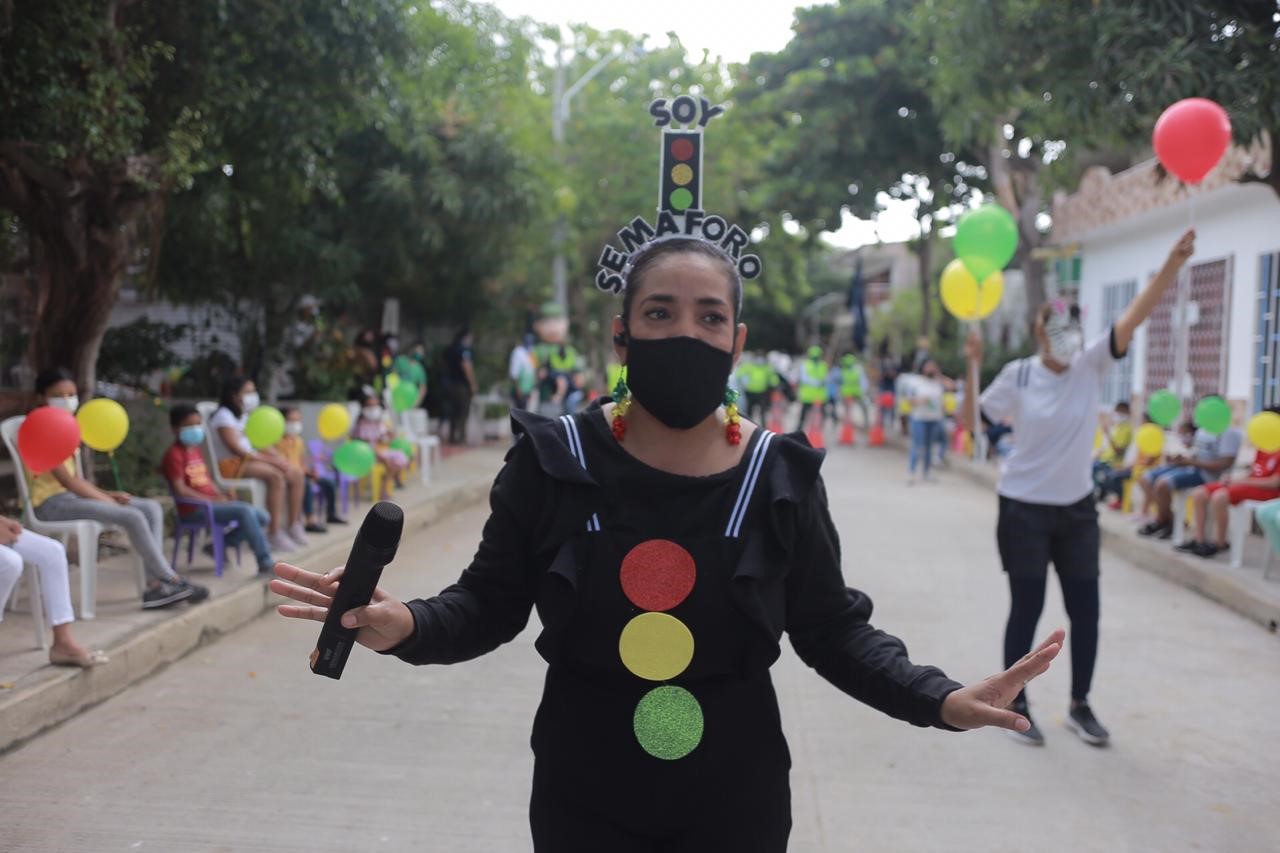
[
  {"x": 656, "y": 646},
  {"x": 681, "y": 174}
]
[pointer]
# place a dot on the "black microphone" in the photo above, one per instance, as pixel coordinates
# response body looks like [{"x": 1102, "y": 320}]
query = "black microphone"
[{"x": 374, "y": 548}]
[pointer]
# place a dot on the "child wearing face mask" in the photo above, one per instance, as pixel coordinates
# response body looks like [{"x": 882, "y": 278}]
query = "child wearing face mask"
[
  {"x": 372, "y": 427},
  {"x": 184, "y": 467},
  {"x": 63, "y": 495},
  {"x": 237, "y": 459},
  {"x": 294, "y": 449}
]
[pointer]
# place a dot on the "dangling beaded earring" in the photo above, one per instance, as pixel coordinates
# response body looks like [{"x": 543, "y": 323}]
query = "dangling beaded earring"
[
  {"x": 621, "y": 404},
  {"x": 732, "y": 420}
]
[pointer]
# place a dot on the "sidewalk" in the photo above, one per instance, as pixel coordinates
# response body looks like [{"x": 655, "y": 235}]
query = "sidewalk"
[
  {"x": 35, "y": 695},
  {"x": 1242, "y": 589}
]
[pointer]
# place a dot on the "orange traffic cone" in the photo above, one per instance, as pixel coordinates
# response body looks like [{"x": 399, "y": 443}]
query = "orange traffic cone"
[
  {"x": 875, "y": 436},
  {"x": 776, "y": 409},
  {"x": 814, "y": 432},
  {"x": 847, "y": 435}
]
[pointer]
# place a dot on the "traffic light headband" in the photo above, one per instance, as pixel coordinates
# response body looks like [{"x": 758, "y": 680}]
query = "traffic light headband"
[{"x": 680, "y": 211}]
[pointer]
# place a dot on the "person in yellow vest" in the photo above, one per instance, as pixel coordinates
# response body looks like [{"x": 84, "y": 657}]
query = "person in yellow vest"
[
  {"x": 852, "y": 382},
  {"x": 812, "y": 383},
  {"x": 559, "y": 365},
  {"x": 756, "y": 378}
]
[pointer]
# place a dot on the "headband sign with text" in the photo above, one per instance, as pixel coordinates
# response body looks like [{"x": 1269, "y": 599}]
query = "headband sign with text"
[{"x": 680, "y": 211}]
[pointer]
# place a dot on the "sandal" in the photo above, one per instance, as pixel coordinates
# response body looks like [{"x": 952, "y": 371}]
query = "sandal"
[{"x": 85, "y": 661}]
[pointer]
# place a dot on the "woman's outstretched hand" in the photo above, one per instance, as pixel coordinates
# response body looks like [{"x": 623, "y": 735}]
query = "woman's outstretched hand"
[
  {"x": 987, "y": 702},
  {"x": 384, "y": 623}
]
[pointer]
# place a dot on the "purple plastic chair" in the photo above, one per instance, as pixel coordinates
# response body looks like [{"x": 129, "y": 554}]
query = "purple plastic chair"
[
  {"x": 321, "y": 457},
  {"x": 195, "y": 522}
]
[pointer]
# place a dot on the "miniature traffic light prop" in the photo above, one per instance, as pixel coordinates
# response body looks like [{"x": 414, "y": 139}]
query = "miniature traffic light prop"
[{"x": 681, "y": 171}]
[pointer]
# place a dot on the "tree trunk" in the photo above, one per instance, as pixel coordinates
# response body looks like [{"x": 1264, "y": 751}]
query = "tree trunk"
[
  {"x": 925, "y": 253},
  {"x": 1017, "y": 187}
]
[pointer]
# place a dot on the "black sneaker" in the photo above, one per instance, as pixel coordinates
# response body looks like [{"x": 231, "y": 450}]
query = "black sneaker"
[
  {"x": 164, "y": 595},
  {"x": 1208, "y": 549},
  {"x": 1033, "y": 735},
  {"x": 333, "y": 519},
  {"x": 198, "y": 593},
  {"x": 1188, "y": 547},
  {"x": 1158, "y": 529},
  {"x": 1081, "y": 720}
]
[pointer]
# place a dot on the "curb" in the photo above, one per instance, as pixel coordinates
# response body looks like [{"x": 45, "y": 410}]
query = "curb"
[
  {"x": 57, "y": 694},
  {"x": 1214, "y": 581}
]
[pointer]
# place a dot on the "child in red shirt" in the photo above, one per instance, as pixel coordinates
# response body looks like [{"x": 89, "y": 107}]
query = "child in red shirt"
[
  {"x": 1262, "y": 484},
  {"x": 185, "y": 469}
]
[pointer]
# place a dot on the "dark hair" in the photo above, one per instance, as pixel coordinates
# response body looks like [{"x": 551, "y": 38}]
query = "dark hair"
[
  {"x": 655, "y": 251},
  {"x": 51, "y": 376},
  {"x": 230, "y": 388},
  {"x": 1122, "y": 406},
  {"x": 462, "y": 333},
  {"x": 180, "y": 412},
  {"x": 288, "y": 410}
]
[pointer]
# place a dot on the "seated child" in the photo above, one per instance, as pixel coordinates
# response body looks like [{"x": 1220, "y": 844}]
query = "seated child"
[
  {"x": 184, "y": 467},
  {"x": 292, "y": 448},
  {"x": 372, "y": 427},
  {"x": 49, "y": 558},
  {"x": 63, "y": 495},
  {"x": 1261, "y": 484}
]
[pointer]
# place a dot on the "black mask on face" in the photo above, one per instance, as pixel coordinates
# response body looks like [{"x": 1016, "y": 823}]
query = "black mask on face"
[{"x": 680, "y": 381}]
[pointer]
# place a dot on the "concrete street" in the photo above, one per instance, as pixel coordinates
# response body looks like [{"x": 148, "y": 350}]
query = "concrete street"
[{"x": 239, "y": 748}]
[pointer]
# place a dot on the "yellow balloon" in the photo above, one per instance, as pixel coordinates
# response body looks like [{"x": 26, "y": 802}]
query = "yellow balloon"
[
  {"x": 1264, "y": 431},
  {"x": 904, "y": 407},
  {"x": 949, "y": 403},
  {"x": 393, "y": 380},
  {"x": 333, "y": 422},
  {"x": 103, "y": 424},
  {"x": 962, "y": 295},
  {"x": 1150, "y": 440}
]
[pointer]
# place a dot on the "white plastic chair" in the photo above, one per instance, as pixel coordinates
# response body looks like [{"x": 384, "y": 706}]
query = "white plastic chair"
[
  {"x": 1240, "y": 523},
  {"x": 36, "y": 598},
  {"x": 417, "y": 428},
  {"x": 256, "y": 488},
  {"x": 1179, "y": 507},
  {"x": 85, "y": 531}
]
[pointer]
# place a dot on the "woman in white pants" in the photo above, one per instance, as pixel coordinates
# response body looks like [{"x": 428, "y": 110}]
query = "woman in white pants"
[{"x": 19, "y": 546}]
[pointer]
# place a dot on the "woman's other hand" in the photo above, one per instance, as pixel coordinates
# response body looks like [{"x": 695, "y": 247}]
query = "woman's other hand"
[
  {"x": 987, "y": 702},
  {"x": 384, "y": 623}
]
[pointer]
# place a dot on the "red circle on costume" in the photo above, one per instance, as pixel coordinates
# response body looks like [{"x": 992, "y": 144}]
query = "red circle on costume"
[
  {"x": 682, "y": 149},
  {"x": 657, "y": 575}
]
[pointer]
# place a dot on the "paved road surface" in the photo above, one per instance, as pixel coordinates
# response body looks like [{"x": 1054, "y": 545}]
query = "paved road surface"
[{"x": 240, "y": 748}]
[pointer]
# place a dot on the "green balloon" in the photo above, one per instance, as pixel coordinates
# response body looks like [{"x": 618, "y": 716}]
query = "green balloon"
[
  {"x": 264, "y": 428},
  {"x": 404, "y": 445},
  {"x": 1164, "y": 408},
  {"x": 354, "y": 458},
  {"x": 1213, "y": 415},
  {"x": 404, "y": 397},
  {"x": 986, "y": 240}
]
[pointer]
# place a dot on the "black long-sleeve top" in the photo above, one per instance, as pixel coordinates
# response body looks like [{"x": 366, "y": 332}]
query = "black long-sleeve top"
[{"x": 789, "y": 576}]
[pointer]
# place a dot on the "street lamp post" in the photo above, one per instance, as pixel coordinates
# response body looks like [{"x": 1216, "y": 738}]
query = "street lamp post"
[{"x": 559, "y": 115}]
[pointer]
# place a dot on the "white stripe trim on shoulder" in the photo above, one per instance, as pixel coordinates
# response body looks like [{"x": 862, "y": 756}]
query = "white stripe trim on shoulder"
[
  {"x": 575, "y": 447},
  {"x": 748, "y": 486}
]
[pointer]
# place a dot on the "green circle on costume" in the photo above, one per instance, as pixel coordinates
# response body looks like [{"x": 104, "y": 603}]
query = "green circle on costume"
[
  {"x": 668, "y": 722},
  {"x": 655, "y": 646},
  {"x": 681, "y": 199}
]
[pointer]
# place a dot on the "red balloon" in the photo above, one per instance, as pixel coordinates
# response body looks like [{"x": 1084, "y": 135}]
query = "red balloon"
[
  {"x": 1190, "y": 138},
  {"x": 47, "y": 438},
  {"x": 886, "y": 400}
]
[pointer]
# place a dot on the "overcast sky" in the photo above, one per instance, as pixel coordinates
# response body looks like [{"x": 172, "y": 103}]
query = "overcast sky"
[{"x": 731, "y": 29}]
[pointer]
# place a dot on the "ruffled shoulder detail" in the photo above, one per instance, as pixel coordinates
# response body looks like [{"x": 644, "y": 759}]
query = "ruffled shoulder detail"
[
  {"x": 550, "y": 445},
  {"x": 795, "y": 468}
]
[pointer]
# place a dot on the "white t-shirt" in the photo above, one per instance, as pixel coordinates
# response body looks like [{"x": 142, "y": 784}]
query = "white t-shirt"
[
  {"x": 926, "y": 399},
  {"x": 1055, "y": 417},
  {"x": 224, "y": 418}
]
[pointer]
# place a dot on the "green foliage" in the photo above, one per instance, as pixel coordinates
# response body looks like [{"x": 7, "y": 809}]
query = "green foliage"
[
  {"x": 327, "y": 371},
  {"x": 131, "y": 353}
]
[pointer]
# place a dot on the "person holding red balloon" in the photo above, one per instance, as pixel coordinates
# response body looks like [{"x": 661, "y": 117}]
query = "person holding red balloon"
[
  {"x": 60, "y": 494},
  {"x": 1047, "y": 511}
]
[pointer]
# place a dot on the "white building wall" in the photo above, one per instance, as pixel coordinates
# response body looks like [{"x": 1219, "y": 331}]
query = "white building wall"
[{"x": 1238, "y": 221}]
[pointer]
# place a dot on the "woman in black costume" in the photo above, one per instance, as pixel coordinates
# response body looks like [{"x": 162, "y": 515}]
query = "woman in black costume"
[{"x": 667, "y": 545}]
